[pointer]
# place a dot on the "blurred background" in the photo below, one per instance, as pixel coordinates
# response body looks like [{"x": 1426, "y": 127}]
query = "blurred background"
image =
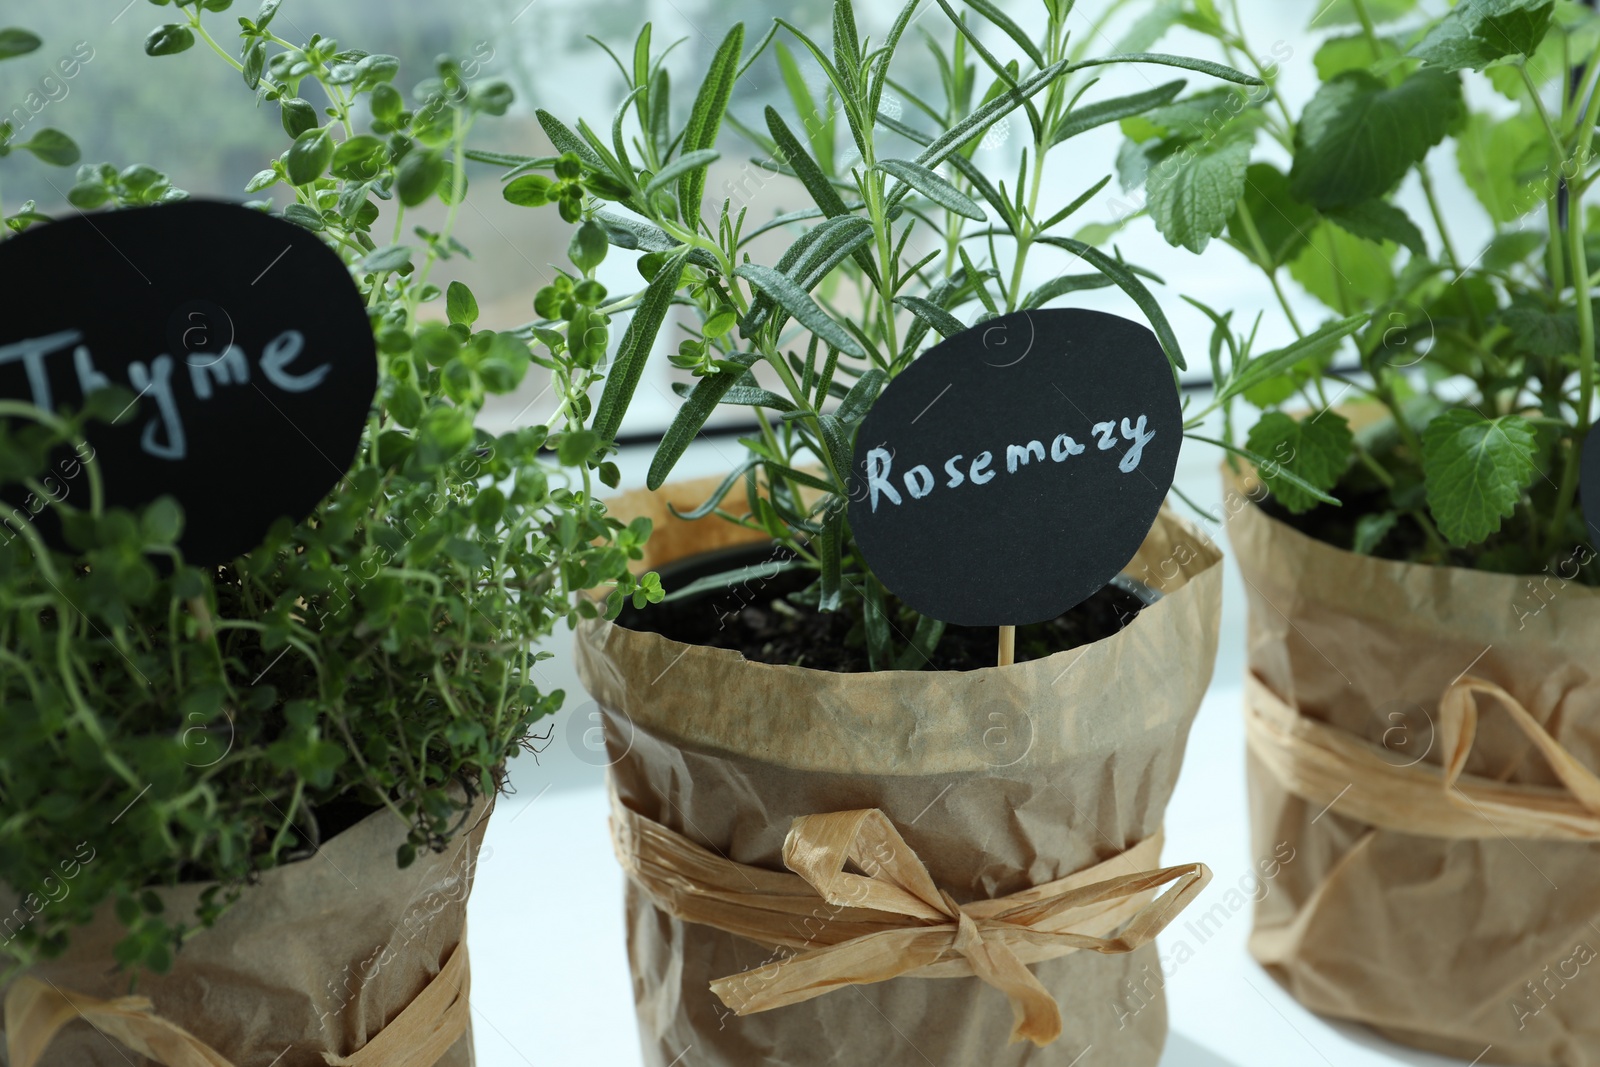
[
  {"x": 551, "y": 981},
  {"x": 190, "y": 116}
]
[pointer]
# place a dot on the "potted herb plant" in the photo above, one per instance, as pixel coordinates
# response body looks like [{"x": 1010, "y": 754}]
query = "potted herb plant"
[
  {"x": 784, "y": 683},
  {"x": 241, "y": 804},
  {"x": 1422, "y": 707}
]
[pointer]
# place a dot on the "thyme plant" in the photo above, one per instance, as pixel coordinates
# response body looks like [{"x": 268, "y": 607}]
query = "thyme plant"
[{"x": 165, "y": 722}]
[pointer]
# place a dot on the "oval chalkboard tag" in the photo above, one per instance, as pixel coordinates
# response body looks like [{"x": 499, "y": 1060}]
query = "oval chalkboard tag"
[
  {"x": 1015, "y": 468},
  {"x": 243, "y": 337}
]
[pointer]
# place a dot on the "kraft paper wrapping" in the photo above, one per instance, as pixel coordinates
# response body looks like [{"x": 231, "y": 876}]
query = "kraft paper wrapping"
[
  {"x": 312, "y": 964},
  {"x": 1472, "y": 932},
  {"x": 999, "y": 780}
]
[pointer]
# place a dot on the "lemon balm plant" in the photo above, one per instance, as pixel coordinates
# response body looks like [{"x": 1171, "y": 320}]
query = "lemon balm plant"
[
  {"x": 906, "y": 240},
  {"x": 1420, "y": 695},
  {"x": 167, "y": 723},
  {"x": 1480, "y": 359}
]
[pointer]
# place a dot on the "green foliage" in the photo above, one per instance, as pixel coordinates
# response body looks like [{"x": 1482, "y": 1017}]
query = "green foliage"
[
  {"x": 48, "y": 145},
  {"x": 1357, "y": 137},
  {"x": 1473, "y": 369},
  {"x": 1478, "y": 33},
  {"x": 1316, "y": 449},
  {"x": 170, "y": 723},
  {"x": 1476, "y": 470},
  {"x": 904, "y": 239}
]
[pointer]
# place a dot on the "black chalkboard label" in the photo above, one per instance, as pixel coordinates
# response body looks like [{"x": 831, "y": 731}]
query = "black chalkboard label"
[
  {"x": 242, "y": 336},
  {"x": 1015, "y": 468}
]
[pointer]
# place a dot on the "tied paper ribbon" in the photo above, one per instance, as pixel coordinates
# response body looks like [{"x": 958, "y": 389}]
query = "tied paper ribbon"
[
  {"x": 892, "y": 920},
  {"x": 1325, "y": 765},
  {"x": 419, "y": 1036}
]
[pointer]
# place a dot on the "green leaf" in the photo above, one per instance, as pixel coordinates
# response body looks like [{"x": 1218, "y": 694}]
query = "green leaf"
[
  {"x": 297, "y": 116},
  {"x": 693, "y": 414},
  {"x": 980, "y": 120},
  {"x": 1315, "y": 450},
  {"x": 933, "y": 187},
  {"x": 1191, "y": 203},
  {"x": 53, "y": 147},
  {"x": 460, "y": 305},
  {"x": 858, "y": 401},
  {"x": 918, "y": 653},
  {"x": 716, "y": 583},
  {"x": 1345, "y": 272},
  {"x": 1082, "y": 119},
  {"x": 1203, "y": 66},
  {"x": 1129, "y": 283},
  {"x": 1371, "y": 529},
  {"x": 1539, "y": 332},
  {"x": 1358, "y": 137},
  {"x": 443, "y": 432},
  {"x": 798, "y": 303},
  {"x": 1507, "y": 249},
  {"x": 1005, "y": 24},
  {"x": 419, "y": 175},
  {"x": 811, "y": 175},
  {"x": 705, "y": 119},
  {"x": 389, "y": 257},
  {"x": 689, "y": 161},
  {"x": 162, "y": 521},
  {"x": 565, "y": 140},
  {"x": 307, "y": 216},
  {"x": 829, "y": 550},
  {"x": 944, "y": 323},
  {"x": 1475, "y": 33},
  {"x": 745, "y": 394},
  {"x": 309, "y": 157},
  {"x": 17, "y": 42},
  {"x": 1354, "y": 52},
  {"x": 588, "y": 246},
  {"x": 1475, "y": 470},
  {"x": 634, "y": 349},
  {"x": 1503, "y": 163},
  {"x": 818, "y": 133},
  {"x": 1060, "y": 286},
  {"x": 359, "y": 158},
  {"x": 530, "y": 190},
  {"x": 169, "y": 40},
  {"x": 1270, "y": 365},
  {"x": 875, "y": 620},
  {"x": 712, "y": 502},
  {"x": 1379, "y": 220},
  {"x": 1343, "y": 12},
  {"x": 1283, "y": 223},
  {"x": 576, "y": 447}
]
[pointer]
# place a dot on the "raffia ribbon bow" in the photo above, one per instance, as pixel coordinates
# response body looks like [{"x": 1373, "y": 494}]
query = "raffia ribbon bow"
[
  {"x": 1328, "y": 766},
  {"x": 419, "y": 1036},
  {"x": 892, "y": 920}
]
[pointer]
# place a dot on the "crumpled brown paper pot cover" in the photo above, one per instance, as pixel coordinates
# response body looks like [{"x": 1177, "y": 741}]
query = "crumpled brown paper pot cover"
[
  {"x": 999, "y": 780},
  {"x": 1464, "y": 920},
  {"x": 329, "y": 960}
]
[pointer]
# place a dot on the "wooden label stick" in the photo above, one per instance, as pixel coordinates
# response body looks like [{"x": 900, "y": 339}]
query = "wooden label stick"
[{"x": 1008, "y": 645}]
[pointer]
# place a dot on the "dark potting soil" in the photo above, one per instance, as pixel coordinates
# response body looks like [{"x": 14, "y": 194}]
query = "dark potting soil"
[
  {"x": 767, "y": 626},
  {"x": 1336, "y": 526}
]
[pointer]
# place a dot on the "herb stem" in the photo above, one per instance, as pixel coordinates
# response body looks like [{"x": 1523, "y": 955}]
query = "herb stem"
[
  {"x": 194, "y": 21},
  {"x": 1438, "y": 223},
  {"x": 1586, "y": 358}
]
